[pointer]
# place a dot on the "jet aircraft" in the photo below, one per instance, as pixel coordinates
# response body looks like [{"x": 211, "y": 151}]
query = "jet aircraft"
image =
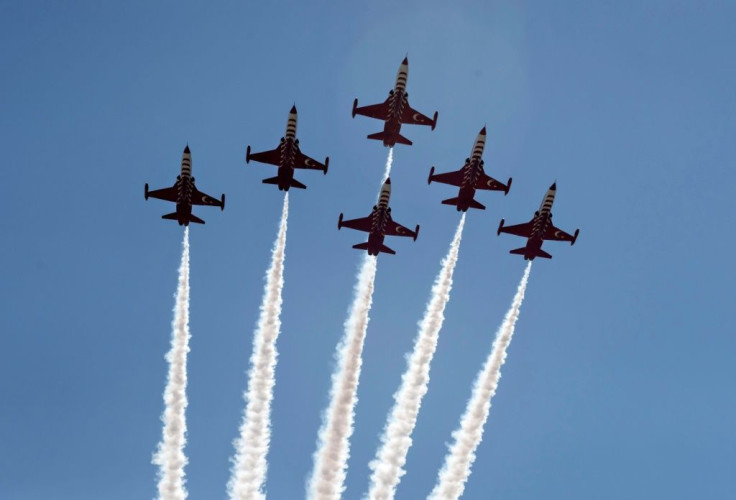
[
  {"x": 378, "y": 225},
  {"x": 287, "y": 156},
  {"x": 394, "y": 111},
  {"x": 469, "y": 178},
  {"x": 538, "y": 229},
  {"x": 185, "y": 194}
]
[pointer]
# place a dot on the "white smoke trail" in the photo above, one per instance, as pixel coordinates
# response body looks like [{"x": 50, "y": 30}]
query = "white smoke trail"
[
  {"x": 170, "y": 454},
  {"x": 248, "y": 475},
  {"x": 396, "y": 440},
  {"x": 333, "y": 445},
  {"x": 459, "y": 460},
  {"x": 389, "y": 162},
  {"x": 331, "y": 457}
]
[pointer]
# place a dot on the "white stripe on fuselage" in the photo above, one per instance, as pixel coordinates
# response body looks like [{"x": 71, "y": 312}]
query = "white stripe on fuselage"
[
  {"x": 480, "y": 144},
  {"x": 384, "y": 196},
  {"x": 549, "y": 199},
  {"x": 291, "y": 127},
  {"x": 402, "y": 77},
  {"x": 543, "y": 220},
  {"x": 186, "y": 182}
]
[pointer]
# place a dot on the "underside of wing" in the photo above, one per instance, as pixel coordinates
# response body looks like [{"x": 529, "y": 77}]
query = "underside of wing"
[
  {"x": 556, "y": 234},
  {"x": 362, "y": 224},
  {"x": 378, "y": 111},
  {"x": 168, "y": 194},
  {"x": 413, "y": 117},
  {"x": 200, "y": 198},
  {"x": 304, "y": 161},
  {"x": 453, "y": 178},
  {"x": 524, "y": 230},
  {"x": 273, "y": 157},
  {"x": 489, "y": 183},
  {"x": 396, "y": 229}
]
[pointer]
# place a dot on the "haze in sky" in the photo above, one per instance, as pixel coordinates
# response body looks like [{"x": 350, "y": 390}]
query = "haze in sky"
[{"x": 619, "y": 380}]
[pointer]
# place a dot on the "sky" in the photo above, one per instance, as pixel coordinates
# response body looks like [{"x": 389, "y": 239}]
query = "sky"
[{"x": 619, "y": 379}]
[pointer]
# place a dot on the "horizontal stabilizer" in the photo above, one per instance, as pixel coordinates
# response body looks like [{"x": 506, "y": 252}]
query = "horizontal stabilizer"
[
  {"x": 381, "y": 136},
  {"x": 403, "y": 140},
  {"x": 364, "y": 246},
  {"x": 537, "y": 253},
  {"x": 296, "y": 184},
  {"x": 450, "y": 201},
  {"x": 275, "y": 180},
  {"x": 475, "y": 204},
  {"x": 194, "y": 218},
  {"x": 175, "y": 216}
]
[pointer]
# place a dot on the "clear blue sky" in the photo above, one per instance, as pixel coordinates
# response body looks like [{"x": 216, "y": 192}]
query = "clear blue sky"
[{"x": 619, "y": 381}]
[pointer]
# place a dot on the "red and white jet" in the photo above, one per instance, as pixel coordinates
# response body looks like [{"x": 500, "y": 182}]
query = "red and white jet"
[
  {"x": 287, "y": 156},
  {"x": 538, "y": 229},
  {"x": 185, "y": 194},
  {"x": 469, "y": 178},
  {"x": 395, "y": 110},
  {"x": 378, "y": 225}
]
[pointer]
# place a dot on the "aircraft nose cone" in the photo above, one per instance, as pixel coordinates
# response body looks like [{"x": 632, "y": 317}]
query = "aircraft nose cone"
[
  {"x": 553, "y": 187},
  {"x": 293, "y": 109},
  {"x": 186, "y": 149},
  {"x": 405, "y": 61},
  {"x": 483, "y": 130},
  {"x": 388, "y": 181}
]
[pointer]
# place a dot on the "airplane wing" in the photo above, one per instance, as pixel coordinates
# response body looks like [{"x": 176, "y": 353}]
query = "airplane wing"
[
  {"x": 304, "y": 161},
  {"x": 414, "y": 117},
  {"x": 362, "y": 224},
  {"x": 556, "y": 234},
  {"x": 379, "y": 111},
  {"x": 524, "y": 230},
  {"x": 168, "y": 194},
  {"x": 489, "y": 183},
  {"x": 454, "y": 178},
  {"x": 273, "y": 157},
  {"x": 396, "y": 229},
  {"x": 200, "y": 198}
]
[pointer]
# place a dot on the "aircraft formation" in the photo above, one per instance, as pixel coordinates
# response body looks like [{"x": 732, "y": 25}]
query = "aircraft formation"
[{"x": 395, "y": 111}]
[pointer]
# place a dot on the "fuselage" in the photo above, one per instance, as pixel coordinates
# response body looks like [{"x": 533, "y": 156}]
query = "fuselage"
[
  {"x": 289, "y": 148},
  {"x": 185, "y": 188},
  {"x": 541, "y": 221},
  {"x": 397, "y": 100},
  {"x": 472, "y": 171},
  {"x": 381, "y": 216}
]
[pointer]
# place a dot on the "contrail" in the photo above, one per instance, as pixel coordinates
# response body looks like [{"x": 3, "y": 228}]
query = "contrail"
[
  {"x": 331, "y": 457},
  {"x": 396, "y": 440},
  {"x": 170, "y": 454},
  {"x": 248, "y": 475},
  {"x": 459, "y": 460},
  {"x": 333, "y": 444},
  {"x": 389, "y": 162}
]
